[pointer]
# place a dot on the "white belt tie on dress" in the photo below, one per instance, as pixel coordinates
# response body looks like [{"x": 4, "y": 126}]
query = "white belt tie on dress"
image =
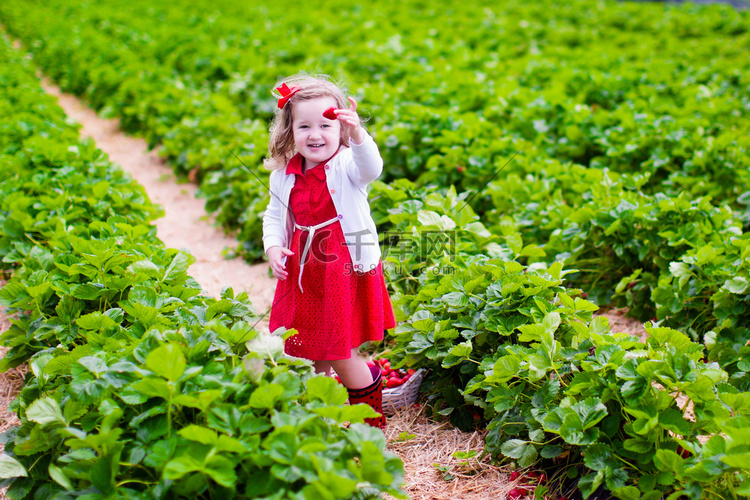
[{"x": 311, "y": 230}]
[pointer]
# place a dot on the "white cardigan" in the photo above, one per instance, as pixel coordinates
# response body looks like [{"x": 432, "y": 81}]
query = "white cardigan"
[{"x": 347, "y": 176}]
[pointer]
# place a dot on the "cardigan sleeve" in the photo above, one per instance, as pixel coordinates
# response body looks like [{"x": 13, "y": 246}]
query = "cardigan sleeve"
[
  {"x": 368, "y": 164},
  {"x": 274, "y": 233}
]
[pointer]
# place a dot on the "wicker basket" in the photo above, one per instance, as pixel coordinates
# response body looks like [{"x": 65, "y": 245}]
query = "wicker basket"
[{"x": 404, "y": 395}]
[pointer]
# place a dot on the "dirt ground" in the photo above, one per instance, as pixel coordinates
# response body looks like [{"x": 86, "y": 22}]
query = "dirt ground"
[{"x": 426, "y": 447}]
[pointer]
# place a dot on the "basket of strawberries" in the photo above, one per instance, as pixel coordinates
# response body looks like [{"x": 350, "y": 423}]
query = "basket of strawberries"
[{"x": 400, "y": 387}]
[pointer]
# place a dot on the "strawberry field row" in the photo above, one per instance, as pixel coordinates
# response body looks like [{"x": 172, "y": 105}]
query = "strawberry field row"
[{"x": 140, "y": 387}]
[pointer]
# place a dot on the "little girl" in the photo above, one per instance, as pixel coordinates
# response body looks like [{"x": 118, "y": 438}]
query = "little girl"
[{"x": 319, "y": 236}]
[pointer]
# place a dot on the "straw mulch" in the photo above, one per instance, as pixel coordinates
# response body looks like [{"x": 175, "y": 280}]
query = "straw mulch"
[
  {"x": 10, "y": 383},
  {"x": 432, "y": 472}
]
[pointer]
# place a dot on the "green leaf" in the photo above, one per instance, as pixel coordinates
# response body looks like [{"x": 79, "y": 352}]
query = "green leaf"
[
  {"x": 599, "y": 457},
  {"x": 422, "y": 320},
  {"x": 458, "y": 354},
  {"x": 199, "y": 434},
  {"x": 455, "y": 299},
  {"x": 150, "y": 386},
  {"x": 326, "y": 390},
  {"x": 219, "y": 307},
  {"x": 221, "y": 470},
  {"x": 538, "y": 367},
  {"x": 572, "y": 431},
  {"x": 524, "y": 452},
  {"x": 738, "y": 457},
  {"x": 702, "y": 389},
  {"x": 430, "y": 218},
  {"x": 673, "y": 420},
  {"x": 267, "y": 346},
  {"x": 104, "y": 470},
  {"x": 506, "y": 368},
  {"x": 10, "y": 467},
  {"x": 88, "y": 291},
  {"x": 69, "y": 308},
  {"x": 585, "y": 305},
  {"x": 627, "y": 493},
  {"x": 95, "y": 321},
  {"x": 59, "y": 477},
  {"x": 230, "y": 444},
  {"x": 551, "y": 451},
  {"x": 638, "y": 445},
  {"x": 738, "y": 285},
  {"x": 167, "y": 361},
  {"x": 591, "y": 411},
  {"x": 45, "y": 411},
  {"x": 265, "y": 397},
  {"x": 589, "y": 483},
  {"x": 551, "y": 322},
  {"x": 180, "y": 466},
  {"x": 94, "y": 365},
  {"x": 177, "y": 270},
  {"x": 531, "y": 333},
  {"x": 515, "y": 243},
  {"x": 532, "y": 250},
  {"x": 145, "y": 267},
  {"x": 706, "y": 254},
  {"x": 100, "y": 189},
  {"x": 669, "y": 460},
  {"x": 477, "y": 228}
]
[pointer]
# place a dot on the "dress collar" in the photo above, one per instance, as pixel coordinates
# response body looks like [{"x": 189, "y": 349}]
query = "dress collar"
[{"x": 295, "y": 167}]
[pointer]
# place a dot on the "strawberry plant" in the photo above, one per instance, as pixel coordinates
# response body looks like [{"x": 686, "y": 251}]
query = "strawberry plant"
[{"x": 515, "y": 347}]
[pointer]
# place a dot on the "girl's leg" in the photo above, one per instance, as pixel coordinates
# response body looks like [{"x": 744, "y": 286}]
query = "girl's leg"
[
  {"x": 364, "y": 385},
  {"x": 323, "y": 367},
  {"x": 353, "y": 372}
]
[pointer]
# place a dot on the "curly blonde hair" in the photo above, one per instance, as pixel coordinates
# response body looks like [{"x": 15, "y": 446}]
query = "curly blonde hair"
[{"x": 281, "y": 146}]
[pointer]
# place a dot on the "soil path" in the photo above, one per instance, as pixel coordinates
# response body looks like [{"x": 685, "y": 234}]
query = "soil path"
[{"x": 185, "y": 224}]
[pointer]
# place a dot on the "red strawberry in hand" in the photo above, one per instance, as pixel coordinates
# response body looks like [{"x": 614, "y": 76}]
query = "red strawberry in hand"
[{"x": 330, "y": 113}]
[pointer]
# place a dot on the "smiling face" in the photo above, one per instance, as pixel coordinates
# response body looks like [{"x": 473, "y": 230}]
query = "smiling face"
[{"x": 317, "y": 138}]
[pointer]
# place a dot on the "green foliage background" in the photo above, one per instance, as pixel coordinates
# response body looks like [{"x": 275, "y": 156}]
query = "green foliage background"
[{"x": 606, "y": 142}]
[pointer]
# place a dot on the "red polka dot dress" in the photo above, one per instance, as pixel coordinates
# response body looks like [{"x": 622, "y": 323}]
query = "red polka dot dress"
[{"x": 337, "y": 308}]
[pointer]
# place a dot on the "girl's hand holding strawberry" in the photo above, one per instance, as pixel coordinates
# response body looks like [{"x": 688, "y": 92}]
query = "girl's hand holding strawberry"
[{"x": 350, "y": 121}]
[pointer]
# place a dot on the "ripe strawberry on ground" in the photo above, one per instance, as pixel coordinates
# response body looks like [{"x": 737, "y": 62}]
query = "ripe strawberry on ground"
[{"x": 516, "y": 493}]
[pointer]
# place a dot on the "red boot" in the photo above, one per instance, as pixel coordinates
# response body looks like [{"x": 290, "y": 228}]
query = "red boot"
[{"x": 371, "y": 395}]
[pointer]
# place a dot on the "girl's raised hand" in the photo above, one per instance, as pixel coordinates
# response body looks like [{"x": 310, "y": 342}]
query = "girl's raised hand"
[
  {"x": 275, "y": 256},
  {"x": 350, "y": 119}
]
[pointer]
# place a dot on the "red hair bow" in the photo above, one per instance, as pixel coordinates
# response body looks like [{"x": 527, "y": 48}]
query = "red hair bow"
[{"x": 286, "y": 93}]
